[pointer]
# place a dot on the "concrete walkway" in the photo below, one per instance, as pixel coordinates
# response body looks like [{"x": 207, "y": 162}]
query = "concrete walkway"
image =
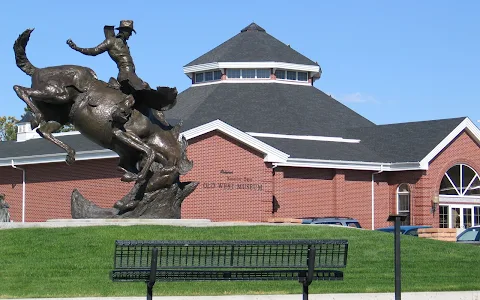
[{"x": 470, "y": 295}]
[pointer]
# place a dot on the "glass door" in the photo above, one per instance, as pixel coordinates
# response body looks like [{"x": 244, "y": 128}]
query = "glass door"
[{"x": 460, "y": 217}]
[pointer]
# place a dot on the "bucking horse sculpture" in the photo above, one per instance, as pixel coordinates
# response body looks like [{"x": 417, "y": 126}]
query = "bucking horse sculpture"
[{"x": 151, "y": 153}]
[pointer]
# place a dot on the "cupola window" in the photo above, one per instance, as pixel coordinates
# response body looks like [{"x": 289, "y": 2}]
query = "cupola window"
[
  {"x": 217, "y": 75},
  {"x": 208, "y": 76},
  {"x": 302, "y": 76},
  {"x": 291, "y": 75},
  {"x": 263, "y": 73},
  {"x": 233, "y": 73},
  {"x": 248, "y": 73},
  {"x": 280, "y": 74},
  {"x": 199, "y": 77}
]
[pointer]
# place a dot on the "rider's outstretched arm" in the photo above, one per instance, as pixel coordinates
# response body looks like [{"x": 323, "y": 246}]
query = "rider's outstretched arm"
[{"x": 102, "y": 47}]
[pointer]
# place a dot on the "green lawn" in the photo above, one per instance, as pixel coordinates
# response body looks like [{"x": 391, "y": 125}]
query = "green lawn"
[{"x": 75, "y": 262}]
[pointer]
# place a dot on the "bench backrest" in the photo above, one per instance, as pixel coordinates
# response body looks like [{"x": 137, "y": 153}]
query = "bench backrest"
[{"x": 230, "y": 254}]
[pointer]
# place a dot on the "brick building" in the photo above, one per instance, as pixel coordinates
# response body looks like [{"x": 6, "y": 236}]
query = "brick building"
[{"x": 266, "y": 143}]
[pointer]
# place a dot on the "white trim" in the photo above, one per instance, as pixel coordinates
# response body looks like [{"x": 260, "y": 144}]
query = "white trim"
[
  {"x": 57, "y": 157},
  {"x": 465, "y": 200},
  {"x": 271, "y": 154},
  {"x": 304, "y": 137},
  {"x": 260, "y": 80},
  {"x": 373, "y": 195},
  {"x": 315, "y": 70},
  {"x": 349, "y": 165},
  {"x": 209, "y": 82},
  {"x": 467, "y": 125}
]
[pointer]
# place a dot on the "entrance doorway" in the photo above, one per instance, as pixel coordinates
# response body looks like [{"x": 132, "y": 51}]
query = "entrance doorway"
[
  {"x": 459, "y": 196},
  {"x": 459, "y": 216}
]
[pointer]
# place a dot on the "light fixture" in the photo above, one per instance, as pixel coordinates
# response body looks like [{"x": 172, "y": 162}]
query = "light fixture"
[{"x": 435, "y": 201}]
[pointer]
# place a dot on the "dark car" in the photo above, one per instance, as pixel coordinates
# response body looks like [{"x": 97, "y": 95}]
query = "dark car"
[
  {"x": 405, "y": 229},
  {"x": 470, "y": 236},
  {"x": 341, "y": 221}
]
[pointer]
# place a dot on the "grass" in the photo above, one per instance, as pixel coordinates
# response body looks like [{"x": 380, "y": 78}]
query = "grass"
[{"x": 75, "y": 262}]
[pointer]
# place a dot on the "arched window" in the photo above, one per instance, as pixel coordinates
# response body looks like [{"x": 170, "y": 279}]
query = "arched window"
[
  {"x": 403, "y": 202},
  {"x": 460, "y": 180},
  {"x": 459, "y": 195}
]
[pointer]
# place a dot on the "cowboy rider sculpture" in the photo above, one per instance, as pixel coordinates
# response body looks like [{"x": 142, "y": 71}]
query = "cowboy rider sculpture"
[
  {"x": 127, "y": 80},
  {"x": 124, "y": 116}
]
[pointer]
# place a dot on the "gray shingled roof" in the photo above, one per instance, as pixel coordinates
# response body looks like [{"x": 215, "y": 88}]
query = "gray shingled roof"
[
  {"x": 392, "y": 143},
  {"x": 323, "y": 150},
  {"x": 405, "y": 142},
  {"x": 266, "y": 107},
  {"x": 40, "y": 146},
  {"x": 252, "y": 44}
]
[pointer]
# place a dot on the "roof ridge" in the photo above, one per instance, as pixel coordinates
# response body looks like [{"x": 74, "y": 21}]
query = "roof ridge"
[{"x": 424, "y": 121}]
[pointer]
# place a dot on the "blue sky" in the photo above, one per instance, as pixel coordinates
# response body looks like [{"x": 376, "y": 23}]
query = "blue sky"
[{"x": 389, "y": 61}]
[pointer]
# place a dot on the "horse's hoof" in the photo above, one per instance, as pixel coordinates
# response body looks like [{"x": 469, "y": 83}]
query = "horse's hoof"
[
  {"x": 34, "y": 123},
  {"x": 125, "y": 206},
  {"x": 70, "y": 159}
]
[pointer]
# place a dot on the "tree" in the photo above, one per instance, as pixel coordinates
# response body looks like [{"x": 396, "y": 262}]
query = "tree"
[{"x": 8, "y": 128}]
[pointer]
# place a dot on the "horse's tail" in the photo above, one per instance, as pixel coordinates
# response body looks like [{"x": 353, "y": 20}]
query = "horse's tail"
[{"x": 20, "y": 55}]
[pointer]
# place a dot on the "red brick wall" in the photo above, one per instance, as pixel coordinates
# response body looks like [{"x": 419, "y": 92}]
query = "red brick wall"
[
  {"x": 49, "y": 187},
  {"x": 304, "y": 192},
  {"x": 235, "y": 182},
  {"x": 11, "y": 186}
]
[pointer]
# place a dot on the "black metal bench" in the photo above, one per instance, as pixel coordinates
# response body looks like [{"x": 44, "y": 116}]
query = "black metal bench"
[{"x": 302, "y": 260}]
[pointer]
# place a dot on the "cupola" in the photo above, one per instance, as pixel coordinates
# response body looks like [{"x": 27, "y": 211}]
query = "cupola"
[
  {"x": 252, "y": 56},
  {"x": 24, "y": 129}
]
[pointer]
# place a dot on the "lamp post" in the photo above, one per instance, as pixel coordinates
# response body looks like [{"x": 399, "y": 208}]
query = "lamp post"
[{"x": 398, "y": 272}]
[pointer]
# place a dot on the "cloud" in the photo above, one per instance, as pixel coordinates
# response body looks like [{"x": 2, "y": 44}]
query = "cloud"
[{"x": 358, "y": 97}]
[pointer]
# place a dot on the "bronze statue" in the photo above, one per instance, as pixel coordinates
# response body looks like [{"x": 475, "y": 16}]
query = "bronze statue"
[
  {"x": 117, "y": 47},
  {"x": 117, "y": 116},
  {"x": 4, "y": 214}
]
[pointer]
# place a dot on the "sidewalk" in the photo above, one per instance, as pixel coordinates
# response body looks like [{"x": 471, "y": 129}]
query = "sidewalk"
[{"x": 470, "y": 295}]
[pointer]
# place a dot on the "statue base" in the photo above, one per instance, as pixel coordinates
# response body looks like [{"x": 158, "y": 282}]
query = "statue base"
[{"x": 161, "y": 204}]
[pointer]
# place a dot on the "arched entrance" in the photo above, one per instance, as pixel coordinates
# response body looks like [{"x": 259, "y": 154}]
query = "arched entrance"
[{"x": 459, "y": 196}]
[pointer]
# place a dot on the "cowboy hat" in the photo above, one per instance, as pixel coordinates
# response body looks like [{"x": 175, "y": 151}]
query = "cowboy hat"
[{"x": 126, "y": 24}]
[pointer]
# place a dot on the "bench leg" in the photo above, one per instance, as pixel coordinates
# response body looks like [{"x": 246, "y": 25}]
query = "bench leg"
[
  {"x": 149, "y": 292},
  {"x": 311, "y": 267},
  {"x": 305, "y": 292},
  {"x": 153, "y": 273}
]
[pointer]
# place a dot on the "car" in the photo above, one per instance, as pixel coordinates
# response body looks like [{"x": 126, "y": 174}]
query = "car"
[
  {"x": 341, "y": 221},
  {"x": 405, "y": 229},
  {"x": 470, "y": 236}
]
